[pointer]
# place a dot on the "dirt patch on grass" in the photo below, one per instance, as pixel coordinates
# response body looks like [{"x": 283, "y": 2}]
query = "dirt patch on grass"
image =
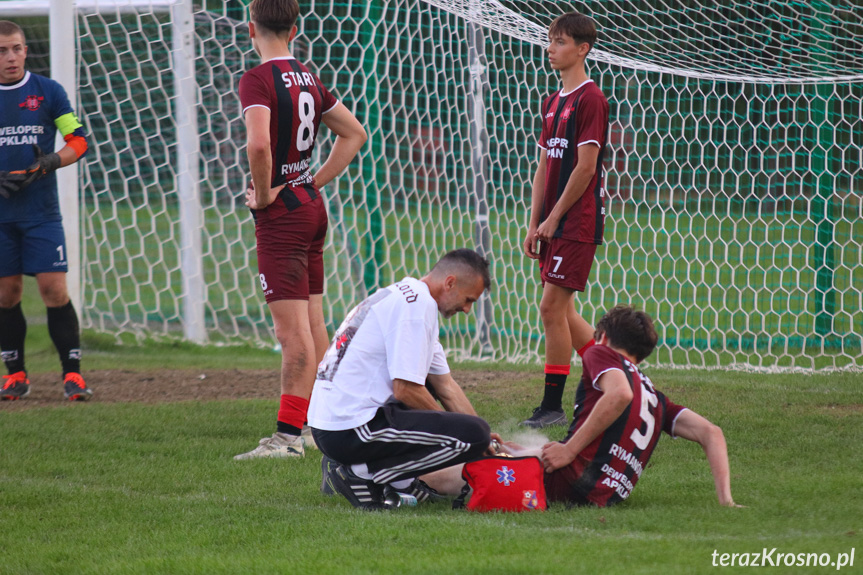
[
  {"x": 841, "y": 410},
  {"x": 171, "y": 385}
]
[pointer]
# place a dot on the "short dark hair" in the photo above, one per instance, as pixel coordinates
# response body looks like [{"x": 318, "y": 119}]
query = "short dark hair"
[
  {"x": 9, "y": 28},
  {"x": 577, "y": 26},
  {"x": 630, "y": 330},
  {"x": 464, "y": 260},
  {"x": 275, "y": 16}
]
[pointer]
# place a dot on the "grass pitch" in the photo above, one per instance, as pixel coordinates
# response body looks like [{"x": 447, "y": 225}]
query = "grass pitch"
[{"x": 129, "y": 488}]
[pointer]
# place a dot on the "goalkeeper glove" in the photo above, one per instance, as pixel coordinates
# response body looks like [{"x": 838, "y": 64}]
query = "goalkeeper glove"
[
  {"x": 44, "y": 165},
  {"x": 11, "y": 183}
]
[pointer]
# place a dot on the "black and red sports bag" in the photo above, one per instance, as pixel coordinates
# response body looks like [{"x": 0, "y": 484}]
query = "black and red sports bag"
[{"x": 503, "y": 483}]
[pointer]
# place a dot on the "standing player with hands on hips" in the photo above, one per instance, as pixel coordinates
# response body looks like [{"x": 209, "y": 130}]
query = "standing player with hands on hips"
[
  {"x": 566, "y": 218},
  {"x": 284, "y": 104},
  {"x": 32, "y": 110}
]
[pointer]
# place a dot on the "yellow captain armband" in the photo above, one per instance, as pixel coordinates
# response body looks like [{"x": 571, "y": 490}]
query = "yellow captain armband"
[{"x": 67, "y": 123}]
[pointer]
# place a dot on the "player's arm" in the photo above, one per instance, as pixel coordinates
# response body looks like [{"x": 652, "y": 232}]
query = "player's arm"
[
  {"x": 451, "y": 394},
  {"x": 260, "y": 194},
  {"x": 575, "y": 187},
  {"x": 73, "y": 134},
  {"x": 616, "y": 396},
  {"x": 69, "y": 156},
  {"x": 536, "y": 196},
  {"x": 689, "y": 425},
  {"x": 73, "y": 150},
  {"x": 414, "y": 395},
  {"x": 350, "y": 137},
  {"x": 44, "y": 164}
]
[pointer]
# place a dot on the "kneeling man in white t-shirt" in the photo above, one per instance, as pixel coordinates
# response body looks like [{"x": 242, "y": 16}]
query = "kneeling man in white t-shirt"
[{"x": 373, "y": 410}]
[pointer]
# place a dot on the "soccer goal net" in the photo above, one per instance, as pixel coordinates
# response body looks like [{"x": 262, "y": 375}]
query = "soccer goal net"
[{"x": 732, "y": 171}]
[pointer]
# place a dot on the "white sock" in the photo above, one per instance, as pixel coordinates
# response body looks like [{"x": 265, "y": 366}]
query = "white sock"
[
  {"x": 361, "y": 470},
  {"x": 403, "y": 484}
]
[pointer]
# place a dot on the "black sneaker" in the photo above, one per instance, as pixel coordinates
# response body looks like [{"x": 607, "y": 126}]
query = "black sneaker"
[
  {"x": 327, "y": 467},
  {"x": 15, "y": 386},
  {"x": 75, "y": 389},
  {"x": 362, "y": 493},
  {"x": 545, "y": 418},
  {"x": 420, "y": 490}
]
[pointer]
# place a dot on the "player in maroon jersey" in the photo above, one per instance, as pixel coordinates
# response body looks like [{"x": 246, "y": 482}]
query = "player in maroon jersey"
[
  {"x": 617, "y": 420},
  {"x": 566, "y": 219},
  {"x": 284, "y": 105}
]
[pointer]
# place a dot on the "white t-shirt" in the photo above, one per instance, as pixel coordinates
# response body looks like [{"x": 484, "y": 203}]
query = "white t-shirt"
[{"x": 393, "y": 334}]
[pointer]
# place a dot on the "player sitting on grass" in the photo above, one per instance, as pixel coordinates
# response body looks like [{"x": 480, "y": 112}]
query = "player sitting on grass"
[{"x": 616, "y": 424}]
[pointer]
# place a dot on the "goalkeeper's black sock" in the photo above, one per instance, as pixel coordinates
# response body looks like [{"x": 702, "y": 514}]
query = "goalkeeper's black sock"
[
  {"x": 64, "y": 332},
  {"x": 13, "y": 331},
  {"x": 555, "y": 381}
]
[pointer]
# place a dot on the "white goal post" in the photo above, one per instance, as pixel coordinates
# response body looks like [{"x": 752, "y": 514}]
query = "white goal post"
[
  {"x": 732, "y": 171},
  {"x": 63, "y": 40}
]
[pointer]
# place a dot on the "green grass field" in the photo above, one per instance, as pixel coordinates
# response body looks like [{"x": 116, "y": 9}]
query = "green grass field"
[{"x": 133, "y": 488}]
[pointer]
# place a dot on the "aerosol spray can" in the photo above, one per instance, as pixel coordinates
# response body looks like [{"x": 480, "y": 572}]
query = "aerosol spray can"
[{"x": 394, "y": 500}]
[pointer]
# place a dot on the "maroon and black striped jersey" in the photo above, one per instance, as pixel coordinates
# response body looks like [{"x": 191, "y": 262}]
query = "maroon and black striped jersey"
[
  {"x": 610, "y": 466},
  {"x": 570, "y": 120},
  {"x": 296, "y": 100}
]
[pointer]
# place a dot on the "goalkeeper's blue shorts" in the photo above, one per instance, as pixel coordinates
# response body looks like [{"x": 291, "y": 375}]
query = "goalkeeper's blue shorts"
[{"x": 32, "y": 248}]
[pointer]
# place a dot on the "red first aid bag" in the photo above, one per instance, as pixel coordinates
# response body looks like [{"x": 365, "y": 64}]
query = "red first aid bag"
[{"x": 503, "y": 484}]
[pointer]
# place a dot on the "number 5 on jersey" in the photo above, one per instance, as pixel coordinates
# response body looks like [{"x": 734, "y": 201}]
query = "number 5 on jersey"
[
  {"x": 648, "y": 401},
  {"x": 306, "y": 131}
]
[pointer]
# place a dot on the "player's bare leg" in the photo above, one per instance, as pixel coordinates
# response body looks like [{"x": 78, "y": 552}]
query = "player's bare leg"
[
  {"x": 580, "y": 331},
  {"x": 318, "y": 326},
  {"x": 554, "y": 308},
  {"x": 11, "y": 289},
  {"x": 446, "y": 481},
  {"x": 52, "y": 288},
  {"x": 321, "y": 338},
  {"x": 294, "y": 333}
]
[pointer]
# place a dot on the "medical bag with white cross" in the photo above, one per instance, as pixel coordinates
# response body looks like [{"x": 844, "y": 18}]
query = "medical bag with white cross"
[{"x": 503, "y": 483}]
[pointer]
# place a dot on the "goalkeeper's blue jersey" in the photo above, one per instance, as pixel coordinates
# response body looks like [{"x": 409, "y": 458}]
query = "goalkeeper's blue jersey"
[{"x": 31, "y": 112}]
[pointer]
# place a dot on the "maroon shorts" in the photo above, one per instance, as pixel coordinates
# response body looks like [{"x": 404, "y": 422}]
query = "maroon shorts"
[
  {"x": 559, "y": 484},
  {"x": 566, "y": 263},
  {"x": 291, "y": 252}
]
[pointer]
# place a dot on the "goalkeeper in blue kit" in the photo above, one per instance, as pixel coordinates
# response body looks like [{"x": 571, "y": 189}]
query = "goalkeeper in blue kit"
[{"x": 33, "y": 109}]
